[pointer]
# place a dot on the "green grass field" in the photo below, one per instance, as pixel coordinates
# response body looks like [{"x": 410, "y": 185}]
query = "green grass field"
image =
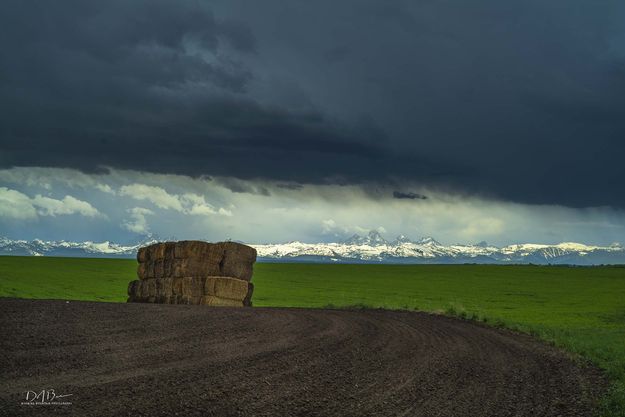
[{"x": 579, "y": 309}]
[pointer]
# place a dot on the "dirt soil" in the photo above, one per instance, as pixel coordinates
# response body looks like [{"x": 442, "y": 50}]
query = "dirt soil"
[{"x": 150, "y": 359}]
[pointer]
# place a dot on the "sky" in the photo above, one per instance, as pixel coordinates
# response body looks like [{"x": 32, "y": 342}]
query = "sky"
[{"x": 276, "y": 121}]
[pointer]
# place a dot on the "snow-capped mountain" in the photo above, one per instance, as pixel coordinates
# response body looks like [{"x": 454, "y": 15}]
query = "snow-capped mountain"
[
  {"x": 40, "y": 247},
  {"x": 372, "y": 248},
  {"x": 374, "y": 238}
]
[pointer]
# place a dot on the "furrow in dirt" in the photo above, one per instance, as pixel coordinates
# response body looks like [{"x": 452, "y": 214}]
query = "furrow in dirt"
[{"x": 141, "y": 359}]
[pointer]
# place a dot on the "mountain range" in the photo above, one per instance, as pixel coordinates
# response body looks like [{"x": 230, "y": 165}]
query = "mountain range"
[{"x": 372, "y": 248}]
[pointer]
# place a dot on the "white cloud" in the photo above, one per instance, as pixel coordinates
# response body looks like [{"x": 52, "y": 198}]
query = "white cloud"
[
  {"x": 138, "y": 223},
  {"x": 155, "y": 195},
  {"x": 330, "y": 227},
  {"x": 105, "y": 188},
  {"x": 203, "y": 208},
  {"x": 224, "y": 212},
  {"x": 15, "y": 205},
  {"x": 187, "y": 203},
  {"x": 47, "y": 206},
  {"x": 19, "y": 206}
]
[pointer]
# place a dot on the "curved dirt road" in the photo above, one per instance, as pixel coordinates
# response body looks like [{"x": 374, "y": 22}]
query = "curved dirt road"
[{"x": 146, "y": 359}]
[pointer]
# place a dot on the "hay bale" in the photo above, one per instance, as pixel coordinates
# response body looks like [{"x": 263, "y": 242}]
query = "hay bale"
[
  {"x": 168, "y": 267},
  {"x": 189, "y": 300},
  {"x": 247, "y": 301},
  {"x": 238, "y": 260},
  {"x": 132, "y": 287},
  {"x": 142, "y": 254},
  {"x": 211, "y": 300},
  {"x": 192, "y": 287},
  {"x": 156, "y": 251},
  {"x": 182, "y": 272},
  {"x": 196, "y": 258},
  {"x": 192, "y": 249},
  {"x": 176, "y": 286},
  {"x": 141, "y": 268},
  {"x": 177, "y": 268},
  {"x": 134, "y": 292},
  {"x": 164, "y": 287},
  {"x": 192, "y": 290},
  {"x": 159, "y": 268},
  {"x": 225, "y": 287},
  {"x": 195, "y": 267},
  {"x": 234, "y": 251},
  {"x": 236, "y": 269},
  {"x": 148, "y": 289}
]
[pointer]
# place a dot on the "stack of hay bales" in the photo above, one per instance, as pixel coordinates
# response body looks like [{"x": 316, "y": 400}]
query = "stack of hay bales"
[{"x": 194, "y": 272}]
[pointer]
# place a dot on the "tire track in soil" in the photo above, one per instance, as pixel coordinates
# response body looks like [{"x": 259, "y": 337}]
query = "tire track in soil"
[{"x": 141, "y": 359}]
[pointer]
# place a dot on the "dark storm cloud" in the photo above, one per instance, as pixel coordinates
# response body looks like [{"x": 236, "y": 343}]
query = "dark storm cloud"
[
  {"x": 290, "y": 186},
  {"x": 521, "y": 100},
  {"x": 409, "y": 195},
  {"x": 238, "y": 186}
]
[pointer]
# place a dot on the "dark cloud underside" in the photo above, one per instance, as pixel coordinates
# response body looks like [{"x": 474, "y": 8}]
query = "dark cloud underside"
[
  {"x": 409, "y": 195},
  {"x": 521, "y": 100}
]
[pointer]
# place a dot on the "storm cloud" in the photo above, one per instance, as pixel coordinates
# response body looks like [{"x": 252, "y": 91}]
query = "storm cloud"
[
  {"x": 521, "y": 101},
  {"x": 409, "y": 195}
]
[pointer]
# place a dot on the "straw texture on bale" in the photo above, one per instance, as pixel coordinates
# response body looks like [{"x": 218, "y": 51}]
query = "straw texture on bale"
[
  {"x": 196, "y": 249},
  {"x": 226, "y": 287},
  {"x": 196, "y": 258},
  {"x": 211, "y": 300},
  {"x": 194, "y": 272},
  {"x": 247, "y": 301},
  {"x": 192, "y": 287},
  {"x": 132, "y": 287},
  {"x": 238, "y": 260}
]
